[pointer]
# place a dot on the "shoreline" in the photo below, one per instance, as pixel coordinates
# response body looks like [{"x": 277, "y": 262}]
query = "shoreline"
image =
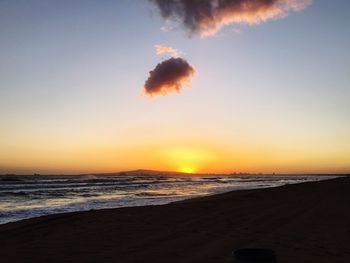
[
  {"x": 308, "y": 219},
  {"x": 160, "y": 201}
]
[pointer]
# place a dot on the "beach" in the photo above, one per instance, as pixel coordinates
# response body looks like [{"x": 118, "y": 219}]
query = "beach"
[
  {"x": 306, "y": 222},
  {"x": 24, "y": 197}
]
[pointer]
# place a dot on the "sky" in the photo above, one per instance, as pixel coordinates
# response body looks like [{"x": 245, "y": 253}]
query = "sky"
[{"x": 271, "y": 96}]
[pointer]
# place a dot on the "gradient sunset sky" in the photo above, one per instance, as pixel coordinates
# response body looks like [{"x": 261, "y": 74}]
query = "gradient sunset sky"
[{"x": 271, "y": 97}]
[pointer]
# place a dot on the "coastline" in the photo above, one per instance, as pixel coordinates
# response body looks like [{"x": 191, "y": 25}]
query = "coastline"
[
  {"x": 306, "y": 222},
  {"x": 34, "y": 196}
]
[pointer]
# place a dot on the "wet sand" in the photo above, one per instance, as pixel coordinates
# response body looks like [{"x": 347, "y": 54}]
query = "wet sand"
[{"x": 308, "y": 222}]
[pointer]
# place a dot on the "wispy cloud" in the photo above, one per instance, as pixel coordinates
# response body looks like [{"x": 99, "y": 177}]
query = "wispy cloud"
[
  {"x": 161, "y": 49},
  {"x": 207, "y": 17}
]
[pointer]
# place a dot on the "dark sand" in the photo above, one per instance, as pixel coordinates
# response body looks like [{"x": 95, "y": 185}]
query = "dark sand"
[{"x": 308, "y": 222}]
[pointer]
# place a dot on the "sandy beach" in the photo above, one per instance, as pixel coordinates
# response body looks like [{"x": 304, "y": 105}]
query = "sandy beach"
[{"x": 308, "y": 222}]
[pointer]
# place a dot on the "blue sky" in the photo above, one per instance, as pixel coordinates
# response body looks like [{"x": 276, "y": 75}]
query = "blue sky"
[{"x": 72, "y": 74}]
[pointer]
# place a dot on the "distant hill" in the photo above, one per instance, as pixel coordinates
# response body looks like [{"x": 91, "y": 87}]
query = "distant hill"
[{"x": 144, "y": 172}]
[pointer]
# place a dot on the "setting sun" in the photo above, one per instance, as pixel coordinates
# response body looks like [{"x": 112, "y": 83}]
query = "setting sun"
[
  {"x": 187, "y": 170},
  {"x": 187, "y": 159}
]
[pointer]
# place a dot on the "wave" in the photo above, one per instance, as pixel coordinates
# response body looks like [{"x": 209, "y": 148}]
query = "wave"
[
  {"x": 10, "y": 179},
  {"x": 29, "y": 196}
]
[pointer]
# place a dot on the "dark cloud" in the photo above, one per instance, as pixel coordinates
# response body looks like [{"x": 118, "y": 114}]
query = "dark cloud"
[
  {"x": 206, "y": 17},
  {"x": 169, "y": 76}
]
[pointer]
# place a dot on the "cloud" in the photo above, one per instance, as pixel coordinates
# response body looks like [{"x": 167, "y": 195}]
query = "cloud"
[
  {"x": 207, "y": 17},
  {"x": 169, "y": 76},
  {"x": 164, "y": 49}
]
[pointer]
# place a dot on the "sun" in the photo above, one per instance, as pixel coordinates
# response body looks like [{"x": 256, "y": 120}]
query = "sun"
[
  {"x": 187, "y": 159},
  {"x": 187, "y": 170}
]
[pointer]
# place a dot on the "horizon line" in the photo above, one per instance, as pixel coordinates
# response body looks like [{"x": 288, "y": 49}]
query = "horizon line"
[{"x": 176, "y": 172}]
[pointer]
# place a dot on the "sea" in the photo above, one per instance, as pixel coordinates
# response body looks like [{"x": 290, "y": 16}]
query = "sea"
[{"x": 23, "y": 197}]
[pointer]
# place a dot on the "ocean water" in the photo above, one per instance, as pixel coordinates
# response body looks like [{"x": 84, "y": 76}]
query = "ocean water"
[{"x": 24, "y": 197}]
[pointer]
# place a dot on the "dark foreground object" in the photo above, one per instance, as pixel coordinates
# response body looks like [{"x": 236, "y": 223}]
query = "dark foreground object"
[
  {"x": 254, "y": 255},
  {"x": 302, "y": 223}
]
